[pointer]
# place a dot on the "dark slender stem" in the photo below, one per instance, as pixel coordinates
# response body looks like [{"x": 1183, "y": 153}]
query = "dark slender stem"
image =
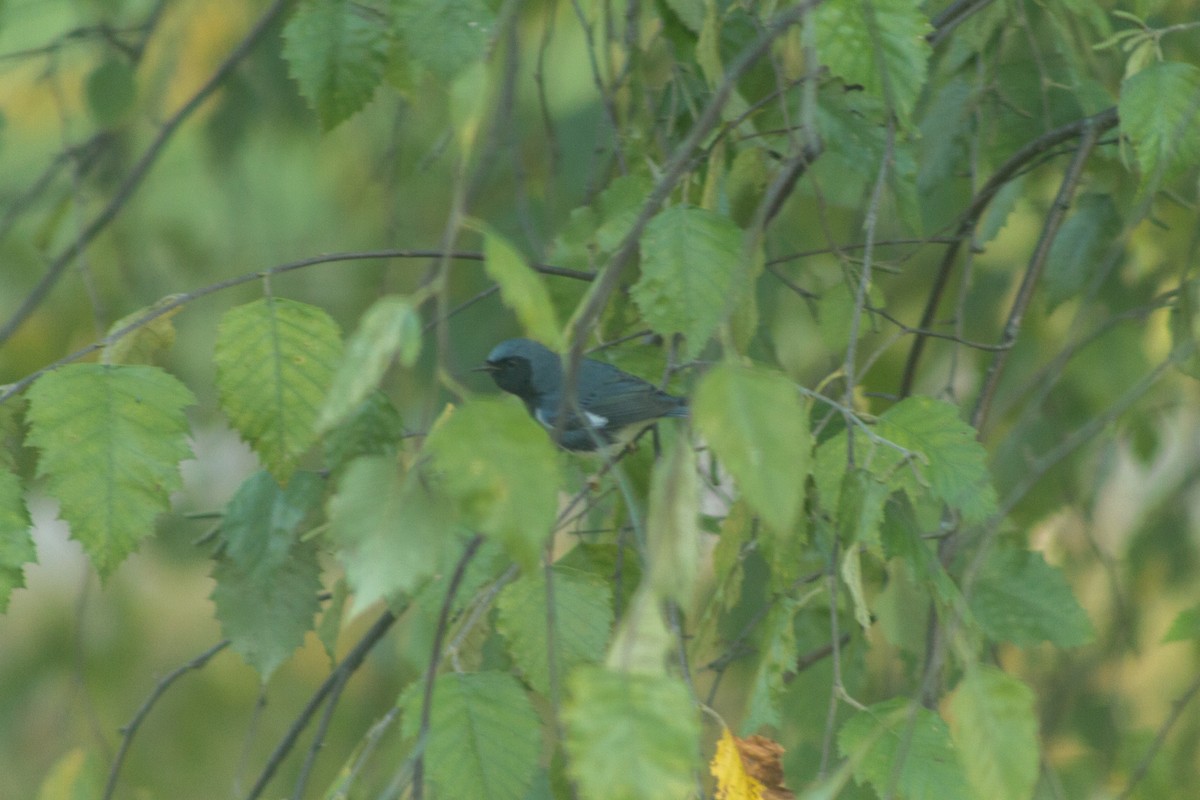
[
  {"x": 1143, "y": 766},
  {"x": 128, "y": 732},
  {"x": 138, "y": 173},
  {"x": 340, "y": 674},
  {"x": 1015, "y": 165},
  {"x": 319, "y": 737},
  {"x": 178, "y": 301},
  {"x": 435, "y": 658},
  {"x": 1037, "y": 262}
]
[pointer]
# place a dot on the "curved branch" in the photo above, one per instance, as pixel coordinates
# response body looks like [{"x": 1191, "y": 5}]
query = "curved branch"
[{"x": 128, "y": 732}]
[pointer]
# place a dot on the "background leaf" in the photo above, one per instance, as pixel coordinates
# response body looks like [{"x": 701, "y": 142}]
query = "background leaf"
[
  {"x": 630, "y": 736},
  {"x": 1020, "y": 598},
  {"x": 995, "y": 730},
  {"x": 690, "y": 259},
  {"x": 501, "y": 470},
  {"x": 522, "y": 290},
  {"x": 275, "y": 361},
  {"x": 110, "y": 440}
]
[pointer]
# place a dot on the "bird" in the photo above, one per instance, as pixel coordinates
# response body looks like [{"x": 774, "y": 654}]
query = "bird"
[{"x": 611, "y": 400}]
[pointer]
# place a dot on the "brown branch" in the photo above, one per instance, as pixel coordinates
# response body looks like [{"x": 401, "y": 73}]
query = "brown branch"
[{"x": 137, "y": 174}]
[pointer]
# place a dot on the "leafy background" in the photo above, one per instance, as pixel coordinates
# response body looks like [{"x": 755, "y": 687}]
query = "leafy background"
[{"x": 925, "y": 271}]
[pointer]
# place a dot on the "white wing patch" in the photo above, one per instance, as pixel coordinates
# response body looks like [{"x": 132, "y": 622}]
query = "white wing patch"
[{"x": 595, "y": 420}]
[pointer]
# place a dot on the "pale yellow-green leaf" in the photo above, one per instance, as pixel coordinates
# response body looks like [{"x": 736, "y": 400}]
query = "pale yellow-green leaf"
[{"x": 522, "y": 290}]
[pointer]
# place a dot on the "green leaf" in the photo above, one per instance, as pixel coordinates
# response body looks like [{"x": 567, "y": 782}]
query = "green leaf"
[
  {"x": 267, "y": 580},
  {"x": 145, "y": 343},
  {"x": 877, "y": 43},
  {"x": 390, "y": 329},
  {"x": 16, "y": 545},
  {"x": 110, "y": 440},
  {"x": 1019, "y": 598},
  {"x": 336, "y": 54},
  {"x": 758, "y": 427},
  {"x": 372, "y": 428},
  {"x": 266, "y": 610},
  {"x": 583, "y": 619},
  {"x": 672, "y": 529},
  {"x": 641, "y": 641},
  {"x": 953, "y": 461},
  {"x": 522, "y": 290},
  {"x": 593, "y": 232},
  {"x": 631, "y": 737},
  {"x": 1158, "y": 109},
  {"x": 111, "y": 92},
  {"x": 444, "y": 36},
  {"x": 275, "y": 361},
  {"x": 1079, "y": 247},
  {"x": 484, "y": 737},
  {"x": 995, "y": 730},
  {"x": 777, "y": 654},
  {"x": 262, "y": 521},
  {"x": 391, "y": 532},
  {"x": 899, "y": 745},
  {"x": 501, "y": 469},
  {"x": 690, "y": 262},
  {"x": 1186, "y": 626}
]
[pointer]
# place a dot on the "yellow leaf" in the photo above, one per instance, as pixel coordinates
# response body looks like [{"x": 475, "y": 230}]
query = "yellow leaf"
[
  {"x": 733, "y": 782},
  {"x": 147, "y": 341}
]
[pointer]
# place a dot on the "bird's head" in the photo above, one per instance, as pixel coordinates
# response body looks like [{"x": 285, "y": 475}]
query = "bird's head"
[{"x": 524, "y": 368}]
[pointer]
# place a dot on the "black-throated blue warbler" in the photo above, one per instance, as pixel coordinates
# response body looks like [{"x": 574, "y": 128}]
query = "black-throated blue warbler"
[{"x": 611, "y": 400}]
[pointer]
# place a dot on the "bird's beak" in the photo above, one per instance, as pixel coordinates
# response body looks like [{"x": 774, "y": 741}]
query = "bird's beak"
[{"x": 484, "y": 368}]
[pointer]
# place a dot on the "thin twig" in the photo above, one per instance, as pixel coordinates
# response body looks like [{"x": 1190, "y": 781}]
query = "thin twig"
[
  {"x": 340, "y": 674},
  {"x": 435, "y": 659},
  {"x": 128, "y": 732}
]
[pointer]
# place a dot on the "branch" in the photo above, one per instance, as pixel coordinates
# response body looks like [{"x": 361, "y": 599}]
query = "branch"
[
  {"x": 183, "y": 299},
  {"x": 341, "y": 674},
  {"x": 1015, "y": 165},
  {"x": 435, "y": 658},
  {"x": 134, "y": 179},
  {"x": 1143, "y": 766},
  {"x": 128, "y": 732}
]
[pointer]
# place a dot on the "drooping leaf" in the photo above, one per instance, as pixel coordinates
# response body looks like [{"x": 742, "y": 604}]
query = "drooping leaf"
[
  {"x": 444, "y": 36},
  {"x": 391, "y": 532},
  {"x": 747, "y": 769},
  {"x": 110, "y": 440},
  {"x": 522, "y": 290},
  {"x": 995, "y": 730},
  {"x": 146, "y": 342},
  {"x": 690, "y": 262},
  {"x": 583, "y": 619},
  {"x": 777, "y": 654},
  {"x": 111, "y": 92},
  {"x": 372, "y": 428},
  {"x": 758, "y": 427},
  {"x": 16, "y": 545},
  {"x": 501, "y": 470},
  {"x": 484, "y": 737},
  {"x": 1079, "y": 247},
  {"x": 898, "y": 745},
  {"x": 953, "y": 461},
  {"x": 336, "y": 53},
  {"x": 390, "y": 329},
  {"x": 630, "y": 737},
  {"x": 275, "y": 361},
  {"x": 879, "y": 44},
  {"x": 642, "y": 641},
  {"x": 266, "y": 610},
  {"x": 1158, "y": 110},
  {"x": 672, "y": 525},
  {"x": 593, "y": 232},
  {"x": 1020, "y": 598}
]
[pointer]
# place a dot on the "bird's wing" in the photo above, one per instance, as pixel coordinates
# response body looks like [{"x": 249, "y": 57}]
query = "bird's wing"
[{"x": 619, "y": 398}]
